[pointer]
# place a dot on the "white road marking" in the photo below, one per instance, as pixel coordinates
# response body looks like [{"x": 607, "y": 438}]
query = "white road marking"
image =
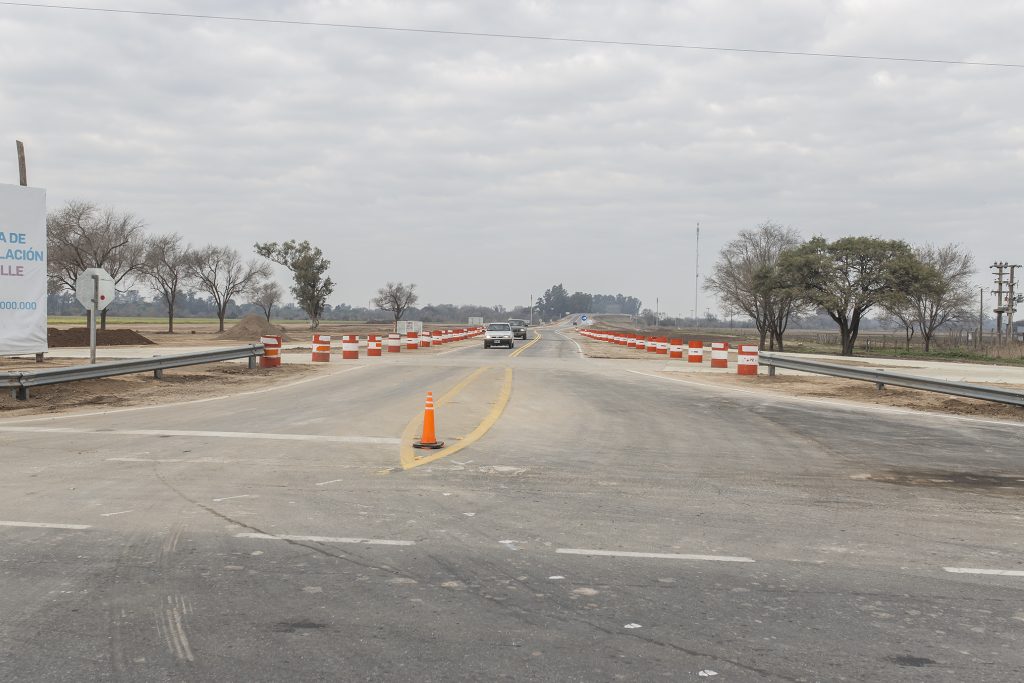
[
  {"x": 656, "y": 556},
  {"x": 992, "y": 572},
  {"x": 579, "y": 349},
  {"x": 324, "y": 483},
  {"x": 111, "y": 514},
  {"x": 244, "y": 495},
  {"x": 217, "y": 435},
  {"x": 324, "y": 539},
  {"x": 201, "y": 461},
  {"x": 44, "y": 525}
]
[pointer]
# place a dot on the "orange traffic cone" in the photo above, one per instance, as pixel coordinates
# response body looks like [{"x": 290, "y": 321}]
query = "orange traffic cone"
[{"x": 429, "y": 439}]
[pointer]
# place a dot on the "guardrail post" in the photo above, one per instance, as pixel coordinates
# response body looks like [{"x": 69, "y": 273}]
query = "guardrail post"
[
  {"x": 21, "y": 393},
  {"x": 252, "y": 362},
  {"x": 158, "y": 373}
]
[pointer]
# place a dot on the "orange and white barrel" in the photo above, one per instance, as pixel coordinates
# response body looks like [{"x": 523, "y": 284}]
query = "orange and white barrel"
[
  {"x": 321, "y": 348},
  {"x": 424, "y": 340},
  {"x": 350, "y": 347},
  {"x": 719, "y": 354},
  {"x": 652, "y": 345},
  {"x": 746, "y": 360},
  {"x": 695, "y": 352},
  {"x": 675, "y": 349},
  {"x": 373, "y": 345},
  {"x": 662, "y": 346},
  {"x": 620, "y": 339},
  {"x": 412, "y": 341},
  {"x": 394, "y": 342},
  {"x": 271, "y": 357},
  {"x": 436, "y": 338},
  {"x": 631, "y": 341}
]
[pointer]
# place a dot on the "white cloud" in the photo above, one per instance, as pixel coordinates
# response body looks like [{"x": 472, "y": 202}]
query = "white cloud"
[{"x": 440, "y": 159}]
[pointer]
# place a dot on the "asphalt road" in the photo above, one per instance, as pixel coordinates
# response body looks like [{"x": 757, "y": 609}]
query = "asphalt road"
[{"x": 594, "y": 522}]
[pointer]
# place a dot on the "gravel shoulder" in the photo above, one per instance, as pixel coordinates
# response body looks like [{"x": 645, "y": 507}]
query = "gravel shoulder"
[{"x": 819, "y": 387}]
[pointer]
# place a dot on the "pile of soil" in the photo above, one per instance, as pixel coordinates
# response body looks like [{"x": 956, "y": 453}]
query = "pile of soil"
[
  {"x": 251, "y": 328},
  {"x": 79, "y": 336}
]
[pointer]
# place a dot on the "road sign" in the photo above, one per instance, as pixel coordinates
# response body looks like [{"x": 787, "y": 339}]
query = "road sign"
[
  {"x": 584, "y": 318},
  {"x": 85, "y": 288}
]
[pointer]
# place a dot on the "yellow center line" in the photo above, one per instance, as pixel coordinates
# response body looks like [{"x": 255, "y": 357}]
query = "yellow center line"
[
  {"x": 521, "y": 349},
  {"x": 407, "y": 453}
]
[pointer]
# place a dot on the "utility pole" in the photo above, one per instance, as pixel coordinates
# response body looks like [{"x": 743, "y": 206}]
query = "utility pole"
[
  {"x": 1011, "y": 304},
  {"x": 696, "y": 275},
  {"x": 981, "y": 316},
  {"x": 1000, "y": 267},
  {"x": 531, "y": 310}
]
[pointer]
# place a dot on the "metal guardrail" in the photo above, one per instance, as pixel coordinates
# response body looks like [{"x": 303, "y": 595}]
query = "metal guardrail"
[
  {"x": 20, "y": 381},
  {"x": 883, "y": 377}
]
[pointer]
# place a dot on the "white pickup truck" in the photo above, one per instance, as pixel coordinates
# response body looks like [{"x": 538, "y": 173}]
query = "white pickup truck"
[{"x": 498, "y": 334}]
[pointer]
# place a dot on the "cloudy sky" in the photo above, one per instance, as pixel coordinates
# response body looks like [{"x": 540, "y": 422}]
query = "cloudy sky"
[{"x": 486, "y": 169}]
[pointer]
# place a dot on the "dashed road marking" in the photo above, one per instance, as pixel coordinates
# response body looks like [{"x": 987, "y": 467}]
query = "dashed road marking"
[
  {"x": 324, "y": 539},
  {"x": 990, "y": 572},
  {"x": 46, "y": 525},
  {"x": 655, "y": 556},
  {"x": 209, "y": 434}
]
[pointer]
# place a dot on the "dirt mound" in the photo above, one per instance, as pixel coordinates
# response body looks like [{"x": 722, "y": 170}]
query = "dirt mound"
[
  {"x": 251, "y": 328},
  {"x": 79, "y": 336}
]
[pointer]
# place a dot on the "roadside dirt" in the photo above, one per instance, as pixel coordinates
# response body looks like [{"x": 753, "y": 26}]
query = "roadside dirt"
[
  {"x": 204, "y": 381},
  {"x": 79, "y": 336}
]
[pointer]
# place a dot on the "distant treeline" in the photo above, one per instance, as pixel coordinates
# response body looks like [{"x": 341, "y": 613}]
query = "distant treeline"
[{"x": 193, "y": 305}]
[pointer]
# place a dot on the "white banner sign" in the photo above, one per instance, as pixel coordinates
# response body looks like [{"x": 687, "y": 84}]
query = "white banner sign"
[{"x": 22, "y": 270}]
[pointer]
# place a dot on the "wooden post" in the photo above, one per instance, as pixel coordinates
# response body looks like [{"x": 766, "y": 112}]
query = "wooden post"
[
  {"x": 22, "y": 172},
  {"x": 23, "y": 181}
]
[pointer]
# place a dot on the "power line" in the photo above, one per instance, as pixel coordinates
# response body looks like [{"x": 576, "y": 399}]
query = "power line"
[{"x": 513, "y": 36}]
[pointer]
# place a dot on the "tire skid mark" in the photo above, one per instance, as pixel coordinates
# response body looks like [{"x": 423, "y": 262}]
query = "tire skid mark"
[{"x": 171, "y": 625}]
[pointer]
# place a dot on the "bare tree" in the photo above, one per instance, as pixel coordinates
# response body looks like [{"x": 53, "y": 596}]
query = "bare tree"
[
  {"x": 945, "y": 294},
  {"x": 397, "y": 298},
  {"x": 80, "y": 235},
  {"x": 746, "y": 279},
  {"x": 899, "y": 311},
  {"x": 266, "y": 295},
  {"x": 166, "y": 269},
  {"x": 221, "y": 273}
]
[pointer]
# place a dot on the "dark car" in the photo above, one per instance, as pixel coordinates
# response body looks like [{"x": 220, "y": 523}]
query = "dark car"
[{"x": 518, "y": 328}]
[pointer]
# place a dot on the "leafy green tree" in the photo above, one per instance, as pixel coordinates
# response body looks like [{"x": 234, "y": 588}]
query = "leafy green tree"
[
  {"x": 848, "y": 277},
  {"x": 308, "y": 265}
]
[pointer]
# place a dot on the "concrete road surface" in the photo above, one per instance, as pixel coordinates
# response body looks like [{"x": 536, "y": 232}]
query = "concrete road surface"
[{"x": 587, "y": 521}]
